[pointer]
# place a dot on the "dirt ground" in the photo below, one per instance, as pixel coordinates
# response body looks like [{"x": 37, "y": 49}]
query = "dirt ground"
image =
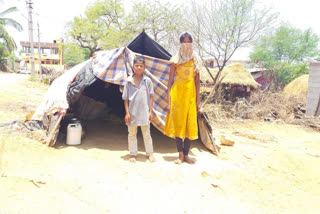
[{"x": 276, "y": 173}]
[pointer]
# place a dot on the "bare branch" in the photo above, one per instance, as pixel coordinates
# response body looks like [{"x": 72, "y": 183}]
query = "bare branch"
[{"x": 224, "y": 26}]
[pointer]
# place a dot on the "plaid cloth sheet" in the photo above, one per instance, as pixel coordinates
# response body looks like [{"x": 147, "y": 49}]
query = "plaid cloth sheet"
[{"x": 115, "y": 67}]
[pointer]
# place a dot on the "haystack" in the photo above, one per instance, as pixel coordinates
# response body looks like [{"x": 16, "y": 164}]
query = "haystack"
[
  {"x": 298, "y": 86},
  {"x": 234, "y": 74}
]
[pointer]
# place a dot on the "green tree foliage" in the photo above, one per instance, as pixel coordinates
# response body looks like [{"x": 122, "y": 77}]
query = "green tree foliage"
[
  {"x": 286, "y": 52},
  {"x": 4, "y": 35},
  {"x": 3, "y": 57},
  {"x": 7, "y": 44},
  {"x": 74, "y": 54},
  {"x": 86, "y": 34},
  {"x": 105, "y": 24},
  {"x": 102, "y": 27},
  {"x": 3, "y": 53},
  {"x": 161, "y": 20}
]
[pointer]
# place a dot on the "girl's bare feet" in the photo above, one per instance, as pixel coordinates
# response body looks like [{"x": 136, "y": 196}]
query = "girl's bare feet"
[
  {"x": 180, "y": 159},
  {"x": 188, "y": 159},
  {"x": 151, "y": 158},
  {"x": 132, "y": 159}
]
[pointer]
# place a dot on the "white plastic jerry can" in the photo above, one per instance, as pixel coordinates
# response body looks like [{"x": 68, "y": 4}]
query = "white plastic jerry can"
[{"x": 74, "y": 134}]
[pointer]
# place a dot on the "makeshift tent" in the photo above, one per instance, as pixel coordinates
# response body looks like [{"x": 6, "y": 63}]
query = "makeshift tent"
[
  {"x": 143, "y": 44},
  {"x": 95, "y": 85}
]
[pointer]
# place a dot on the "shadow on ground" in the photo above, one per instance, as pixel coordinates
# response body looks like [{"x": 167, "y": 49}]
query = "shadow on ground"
[{"x": 106, "y": 135}]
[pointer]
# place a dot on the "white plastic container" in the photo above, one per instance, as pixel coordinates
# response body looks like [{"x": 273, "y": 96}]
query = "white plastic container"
[{"x": 74, "y": 134}]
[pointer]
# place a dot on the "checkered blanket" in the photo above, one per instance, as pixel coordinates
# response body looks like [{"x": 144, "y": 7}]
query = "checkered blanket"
[{"x": 115, "y": 67}]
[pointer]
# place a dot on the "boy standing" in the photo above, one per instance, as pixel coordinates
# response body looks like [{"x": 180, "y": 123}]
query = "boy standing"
[{"x": 138, "y": 104}]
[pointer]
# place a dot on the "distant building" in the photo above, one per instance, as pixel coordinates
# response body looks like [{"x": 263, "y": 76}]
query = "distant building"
[
  {"x": 212, "y": 63},
  {"x": 51, "y": 55},
  {"x": 261, "y": 76},
  {"x": 256, "y": 70}
]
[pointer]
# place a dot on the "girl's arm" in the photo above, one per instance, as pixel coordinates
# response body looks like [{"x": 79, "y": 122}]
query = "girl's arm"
[
  {"x": 197, "y": 83},
  {"x": 171, "y": 80}
]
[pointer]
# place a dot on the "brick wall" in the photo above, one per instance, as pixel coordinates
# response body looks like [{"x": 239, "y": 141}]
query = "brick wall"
[{"x": 313, "y": 89}]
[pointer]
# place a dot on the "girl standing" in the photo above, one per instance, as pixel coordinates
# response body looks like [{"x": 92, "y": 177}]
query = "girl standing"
[{"x": 183, "y": 98}]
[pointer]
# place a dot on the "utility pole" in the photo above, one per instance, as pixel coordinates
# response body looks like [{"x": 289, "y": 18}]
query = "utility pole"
[
  {"x": 30, "y": 26},
  {"x": 39, "y": 49}
]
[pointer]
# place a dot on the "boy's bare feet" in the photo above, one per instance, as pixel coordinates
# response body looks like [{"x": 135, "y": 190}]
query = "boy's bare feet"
[
  {"x": 180, "y": 159},
  {"x": 188, "y": 159},
  {"x": 132, "y": 159},
  {"x": 151, "y": 158}
]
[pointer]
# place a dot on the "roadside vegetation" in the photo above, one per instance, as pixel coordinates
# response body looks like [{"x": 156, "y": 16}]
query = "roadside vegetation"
[{"x": 7, "y": 43}]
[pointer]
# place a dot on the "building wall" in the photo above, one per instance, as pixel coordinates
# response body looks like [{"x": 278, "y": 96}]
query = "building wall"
[
  {"x": 51, "y": 56},
  {"x": 55, "y": 67},
  {"x": 211, "y": 63},
  {"x": 313, "y": 97}
]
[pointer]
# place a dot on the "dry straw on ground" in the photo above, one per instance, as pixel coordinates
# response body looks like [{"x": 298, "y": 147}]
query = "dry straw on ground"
[
  {"x": 312, "y": 122},
  {"x": 274, "y": 105},
  {"x": 298, "y": 86},
  {"x": 234, "y": 74},
  {"x": 267, "y": 106},
  {"x": 262, "y": 105},
  {"x": 49, "y": 75}
]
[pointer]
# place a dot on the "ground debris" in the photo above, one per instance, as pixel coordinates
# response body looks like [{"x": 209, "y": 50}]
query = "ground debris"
[
  {"x": 261, "y": 105},
  {"x": 204, "y": 174},
  {"x": 49, "y": 75},
  {"x": 38, "y": 135},
  {"x": 226, "y": 141},
  {"x": 32, "y": 181},
  {"x": 254, "y": 136},
  {"x": 278, "y": 169},
  {"x": 215, "y": 185},
  {"x": 313, "y": 154},
  {"x": 312, "y": 122},
  {"x": 247, "y": 157}
]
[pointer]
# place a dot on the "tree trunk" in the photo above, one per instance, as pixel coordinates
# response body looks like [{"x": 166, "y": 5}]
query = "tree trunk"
[{"x": 91, "y": 53}]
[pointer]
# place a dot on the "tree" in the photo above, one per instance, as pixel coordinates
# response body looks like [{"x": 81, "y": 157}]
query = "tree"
[
  {"x": 285, "y": 52},
  {"x": 101, "y": 27},
  {"x": 223, "y": 26},
  {"x": 163, "y": 21},
  {"x": 3, "y": 55},
  {"x": 74, "y": 54},
  {"x": 8, "y": 40},
  {"x": 226, "y": 25}
]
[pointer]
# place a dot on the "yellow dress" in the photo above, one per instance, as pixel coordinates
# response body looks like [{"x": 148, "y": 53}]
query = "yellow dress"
[{"x": 181, "y": 121}]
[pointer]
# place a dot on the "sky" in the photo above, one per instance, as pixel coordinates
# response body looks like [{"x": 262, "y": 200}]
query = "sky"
[{"x": 52, "y": 17}]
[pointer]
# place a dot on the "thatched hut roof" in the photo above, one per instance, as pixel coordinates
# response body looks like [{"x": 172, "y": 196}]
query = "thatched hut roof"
[
  {"x": 298, "y": 86},
  {"x": 234, "y": 74}
]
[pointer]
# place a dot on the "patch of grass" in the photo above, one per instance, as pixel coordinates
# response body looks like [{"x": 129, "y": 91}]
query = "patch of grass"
[
  {"x": 45, "y": 81},
  {"x": 18, "y": 100},
  {"x": 32, "y": 78}
]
